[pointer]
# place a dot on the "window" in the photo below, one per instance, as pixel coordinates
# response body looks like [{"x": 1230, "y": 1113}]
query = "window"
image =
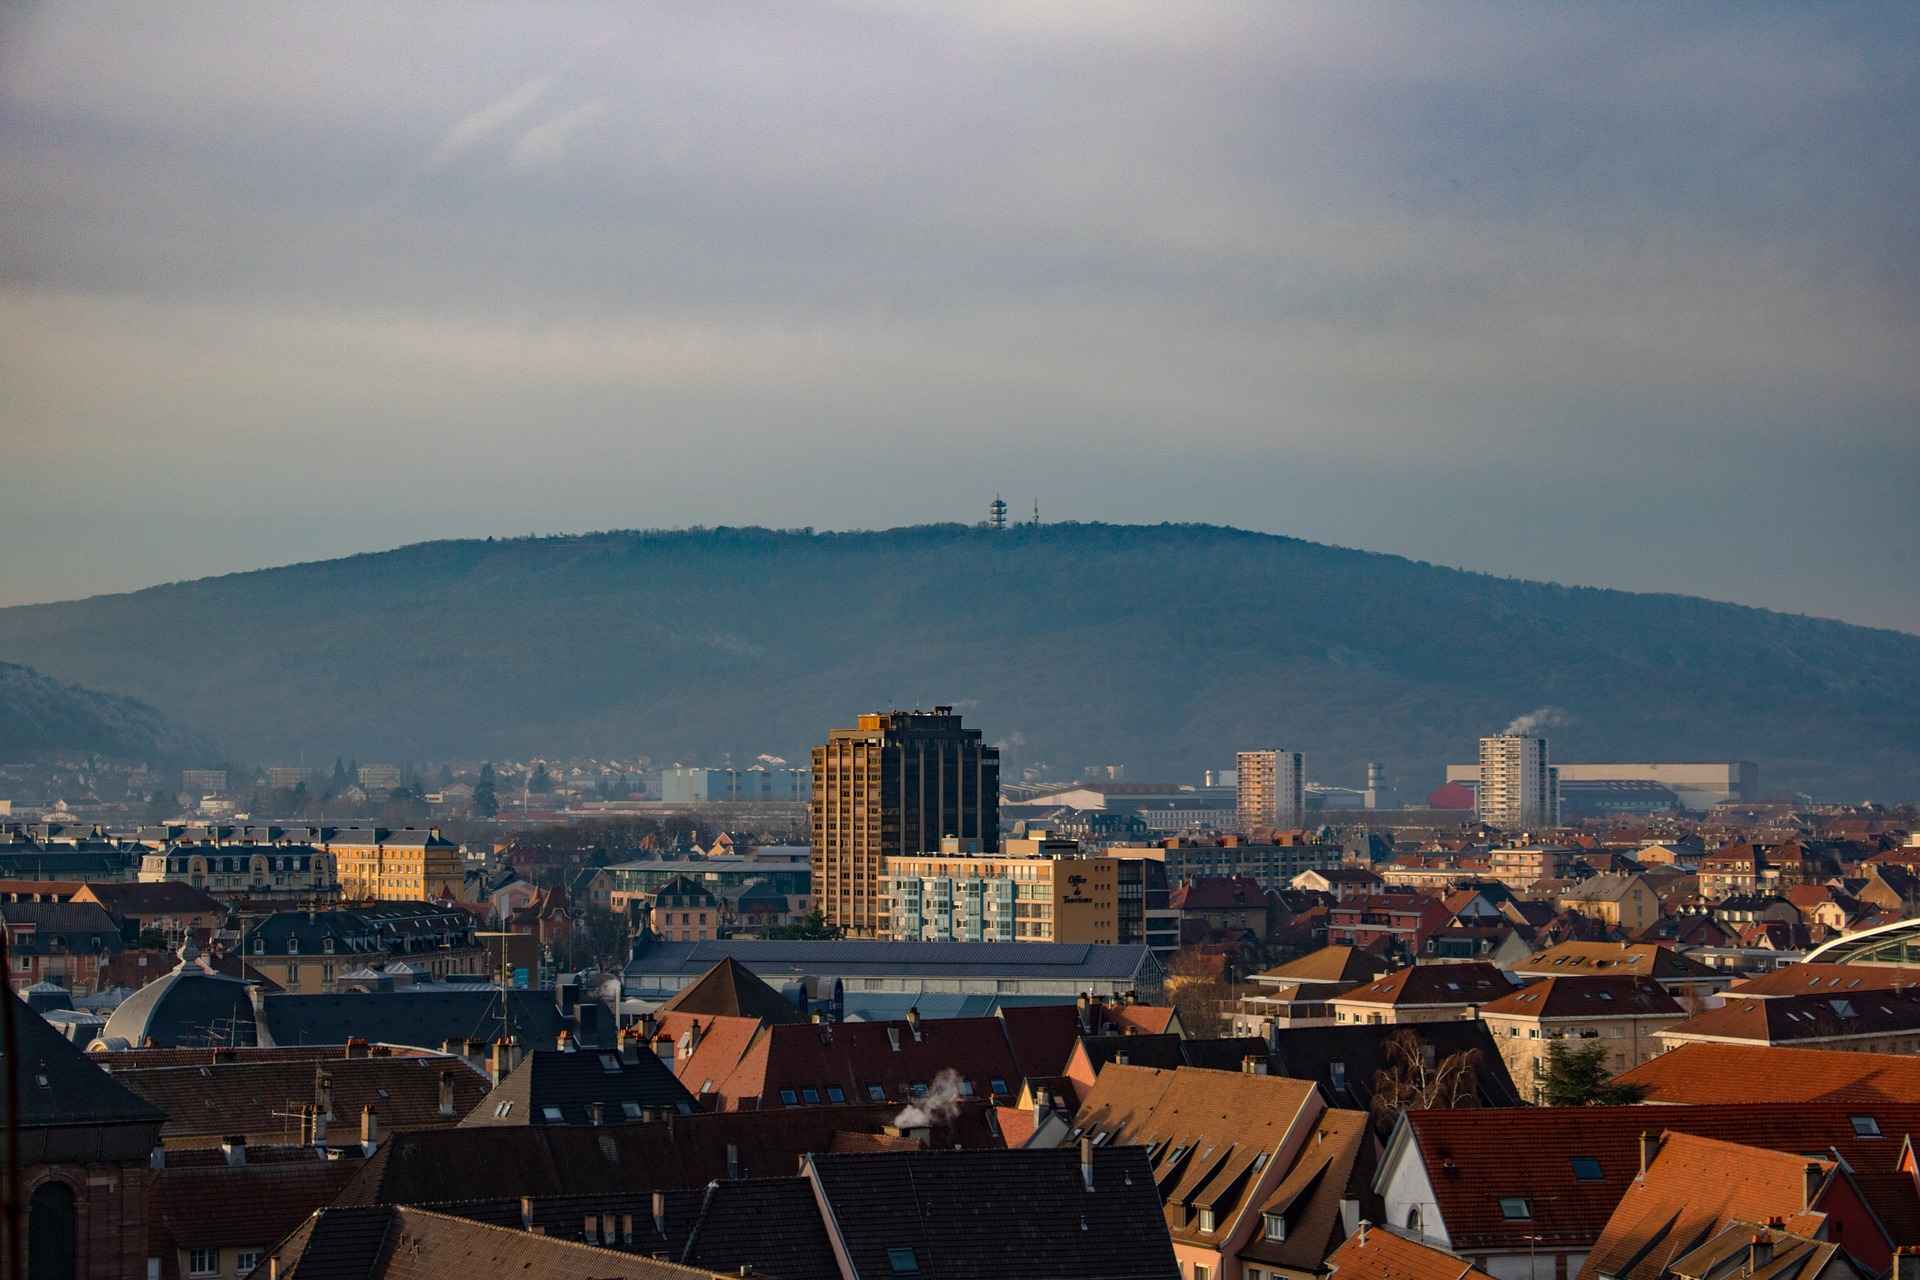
[
  {"x": 1515, "y": 1208},
  {"x": 246, "y": 1260},
  {"x": 203, "y": 1262},
  {"x": 631, "y": 1110},
  {"x": 1206, "y": 1219},
  {"x": 706, "y": 1086},
  {"x": 1865, "y": 1126},
  {"x": 1338, "y": 1070},
  {"x": 810, "y": 1096},
  {"x": 918, "y": 1088},
  {"x": 1201, "y": 1271},
  {"x": 902, "y": 1262},
  {"x": 836, "y": 1094},
  {"x": 1273, "y": 1226},
  {"x": 504, "y": 1110},
  {"x": 789, "y": 1097},
  {"x": 550, "y": 1114},
  {"x": 1586, "y": 1169},
  {"x": 876, "y": 1093},
  {"x": 999, "y": 1085}
]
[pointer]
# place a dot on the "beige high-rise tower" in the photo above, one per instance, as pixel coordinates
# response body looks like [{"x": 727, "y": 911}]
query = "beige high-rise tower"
[
  {"x": 895, "y": 784},
  {"x": 1517, "y": 787},
  {"x": 1271, "y": 789}
]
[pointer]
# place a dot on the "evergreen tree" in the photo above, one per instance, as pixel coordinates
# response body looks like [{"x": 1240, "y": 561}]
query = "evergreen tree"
[
  {"x": 340, "y": 778},
  {"x": 541, "y": 782},
  {"x": 1577, "y": 1076},
  {"x": 486, "y": 801}
]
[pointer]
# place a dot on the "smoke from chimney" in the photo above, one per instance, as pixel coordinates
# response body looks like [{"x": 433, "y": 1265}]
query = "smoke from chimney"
[
  {"x": 940, "y": 1106},
  {"x": 1537, "y": 719}
]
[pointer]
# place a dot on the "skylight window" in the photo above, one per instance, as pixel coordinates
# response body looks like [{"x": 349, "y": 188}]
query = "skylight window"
[
  {"x": 1865, "y": 1126},
  {"x": 1586, "y": 1169},
  {"x": 1515, "y": 1208},
  {"x": 550, "y": 1114},
  {"x": 902, "y": 1262},
  {"x": 876, "y": 1093},
  {"x": 789, "y": 1097},
  {"x": 999, "y": 1085},
  {"x": 631, "y": 1110},
  {"x": 610, "y": 1064},
  {"x": 836, "y": 1094},
  {"x": 810, "y": 1096}
]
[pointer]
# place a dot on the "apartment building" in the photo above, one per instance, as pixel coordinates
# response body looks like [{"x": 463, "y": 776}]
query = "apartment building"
[
  {"x": 897, "y": 783},
  {"x": 1625, "y": 1012},
  {"x": 1274, "y": 865},
  {"x": 1059, "y": 897},
  {"x": 1270, "y": 789},
  {"x": 410, "y": 864},
  {"x": 1517, "y": 787},
  {"x": 1521, "y": 868}
]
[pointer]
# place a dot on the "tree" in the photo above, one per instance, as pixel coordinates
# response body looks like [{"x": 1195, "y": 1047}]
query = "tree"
[
  {"x": 1197, "y": 987},
  {"x": 814, "y": 929},
  {"x": 604, "y": 937},
  {"x": 1414, "y": 1079},
  {"x": 160, "y": 806},
  {"x": 542, "y": 781},
  {"x": 1576, "y": 1076},
  {"x": 340, "y": 776},
  {"x": 486, "y": 801}
]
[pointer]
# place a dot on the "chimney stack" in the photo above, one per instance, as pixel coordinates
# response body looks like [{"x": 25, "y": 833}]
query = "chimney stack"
[
  {"x": 234, "y": 1147},
  {"x": 563, "y": 1042},
  {"x": 369, "y": 1128},
  {"x": 1649, "y": 1148},
  {"x": 660, "y": 1212},
  {"x": 323, "y": 1094},
  {"x": 1253, "y": 1065},
  {"x": 733, "y": 1162},
  {"x": 626, "y": 1229},
  {"x": 446, "y": 1093},
  {"x": 1906, "y": 1263},
  {"x": 1086, "y": 1162},
  {"x": 1815, "y": 1176},
  {"x": 629, "y": 1048},
  {"x": 594, "y": 1112},
  {"x": 913, "y": 1022},
  {"x": 356, "y": 1047},
  {"x": 1084, "y": 1007},
  {"x": 526, "y": 1213},
  {"x": 1759, "y": 1252}
]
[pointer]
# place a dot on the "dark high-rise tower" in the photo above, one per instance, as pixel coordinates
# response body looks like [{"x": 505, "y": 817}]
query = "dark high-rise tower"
[{"x": 896, "y": 784}]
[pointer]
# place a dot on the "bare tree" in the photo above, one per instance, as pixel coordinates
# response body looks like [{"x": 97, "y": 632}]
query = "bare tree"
[{"x": 1415, "y": 1079}]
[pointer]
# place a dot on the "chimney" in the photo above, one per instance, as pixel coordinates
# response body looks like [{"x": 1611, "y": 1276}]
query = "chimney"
[
  {"x": 660, "y": 1212},
  {"x": 663, "y": 1049},
  {"x": 563, "y": 1042},
  {"x": 693, "y": 1036},
  {"x": 1364, "y": 1224},
  {"x": 626, "y": 1229},
  {"x": 913, "y": 1022},
  {"x": 1254, "y": 1065},
  {"x": 1120, "y": 1059},
  {"x": 1042, "y": 1103},
  {"x": 526, "y": 1213},
  {"x": 369, "y": 1128},
  {"x": 1906, "y": 1263},
  {"x": 629, "y": 1048},
  {"x": 323, "y": 1094},
  {"x": 647, "y": 1026},
  {"x": 1649, "y": 1148},
  {"x": 357, "y": 1047},
  {"x": 590, "y": 1229},
  {"x": 594, "y": 1111},
  {"x": 157, "y": 1158},
  {"x": 453, "y": 1048},
  {"x": 319, "y": 1128},
  {"x": 1086, "y": 1163},
  {"x": 1759, "y": 1252},
  {"x": 1084, "y": 1007},
  {"x": 234, "y": 1147},
  {"x": 1815, "y": 1176},
  {"x": 499, "y": 1064},
  {"x": 733, "y": 1162},
  {"x": 446, "y": 1093}
]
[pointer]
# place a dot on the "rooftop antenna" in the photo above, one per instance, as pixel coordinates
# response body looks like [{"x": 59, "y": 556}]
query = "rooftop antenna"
[
  {"x": 506, "y": 1032},
  {"x": 1036, "y": 513},
  {"x": 997, "y": 514}
]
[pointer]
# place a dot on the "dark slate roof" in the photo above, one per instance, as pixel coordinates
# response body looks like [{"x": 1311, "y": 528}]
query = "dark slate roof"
[
  {"x": 1000, "y": 1214},
  {"x": 490, "y": 1162},
  {"x": 551, "y": 1087},
  {"x": 1067, "y": 960},
  {"x": 59, "y": 1086},
  {"x": 191, "y": 1005},
  {"x": 770, "y": 1225},
  {"x": 730, "y": 988},
  {"x": 565, "y": 1217},
  {"x": 427, "y": 1019},
  {"x": 257, "y": 1098},
  {"x": 164, "y": 897},
  {"x": 104, "y": 864},
  {"x": 1225, "y": 1053},
  {"x": 60, "y": 927},
  {"x": 1308, "y": 1053}
]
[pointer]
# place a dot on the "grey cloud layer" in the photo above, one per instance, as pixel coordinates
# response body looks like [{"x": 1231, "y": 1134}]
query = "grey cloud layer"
[{"x": 1374, "y": 274}]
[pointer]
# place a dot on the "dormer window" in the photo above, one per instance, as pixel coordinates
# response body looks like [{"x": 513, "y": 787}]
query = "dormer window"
[
  {"x": 259, "y": 946},
  {"x": 1206, "y": 1220},
  {"x": 327, "y": 946},
  {"x": 293, "y": 946},
  {"x": 1273, "y": 1226}
]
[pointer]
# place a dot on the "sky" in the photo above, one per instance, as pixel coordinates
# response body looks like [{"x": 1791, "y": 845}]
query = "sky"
[{"x": 1622, "y": 295}]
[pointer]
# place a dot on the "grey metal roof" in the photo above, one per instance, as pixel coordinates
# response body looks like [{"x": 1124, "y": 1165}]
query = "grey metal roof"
[
  {"x": 191, "y": 1005},
  {"x": 1064, "y": 960}
]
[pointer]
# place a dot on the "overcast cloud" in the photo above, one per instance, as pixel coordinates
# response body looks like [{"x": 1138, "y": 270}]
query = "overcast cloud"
[{"x": 1616, "y": 294}]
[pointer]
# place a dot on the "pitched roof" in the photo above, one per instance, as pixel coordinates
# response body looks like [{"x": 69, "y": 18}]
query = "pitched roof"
[
  {"x": 1328, "y": 964},
  {"x": 1433, "y": 984},
  {"x": 1785, "y": 1019},
  {"x": 1823, "y": 979},
  {"x": 1588, "y": 996},
  {"x": 254, "y": 1205},
  {"x": 1345, "y": 1061},
  {"x": 1065, "y": 961},
  {"x": 60, "y": 1085},
  {"x": 1474, "y": 1158},
  {"x": 587, "y": 1087},
  {"x": 1011, "y": 1214},
  {"x": 771, "y": 1225},
  {"x": 1378, "y": 1253},
  {"x": 1221, "y": 1053},
  {"x": 428, "y": 1018},
  {"x": 488, "y": 1162},
  {"x": 159, "y": 897},
  {"x": 859, "y": 1057},
  {"x": 415, "y": 1244},
  {"x": 1613, "y": 957},
  {"x": 1694, "y": 1188},
  {"x": 1337, "y": 1164},
  {"x": 1697, "y": 1073},
  {"x": 204, "y": 1104},
  {"x": 1042, "y": 1036}
]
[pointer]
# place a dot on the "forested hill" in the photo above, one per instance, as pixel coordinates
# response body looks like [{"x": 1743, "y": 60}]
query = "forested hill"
[
  {"x": 1163, "y": 648},
  {"x": 39, "y": 715}
]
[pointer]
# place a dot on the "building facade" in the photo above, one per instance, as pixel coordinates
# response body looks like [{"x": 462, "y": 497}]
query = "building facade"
[
  {"x": 1270, "y": 789},
  {"x": 1516, "y": 791},
  {"x": 410, "y": 864},
  {"x": 897, "y": 783},
  {"x": 1059, "y": 897}
]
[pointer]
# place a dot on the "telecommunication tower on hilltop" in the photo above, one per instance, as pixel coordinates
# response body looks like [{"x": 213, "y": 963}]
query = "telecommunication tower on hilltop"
[{"x": 997, "y": 514}]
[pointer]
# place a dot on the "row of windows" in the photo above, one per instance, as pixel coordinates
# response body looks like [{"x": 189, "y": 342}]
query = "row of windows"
[{"x": 808, "y": 1095}]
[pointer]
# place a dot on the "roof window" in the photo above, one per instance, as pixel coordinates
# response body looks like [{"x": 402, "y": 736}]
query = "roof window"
[
  {"x": 876, "y": 1093},
  {"x": 550, "y": 1114},
  {"x": 1865, "y": 1126},
  {"x": 1515, "y": 1208},
  {"x": 631, "y": 1110},
  {"x": 902, "y": 1262},
  {"x": 789, "y": 1097},
  {"x": 1586, "y": 1169},
  {"x": 810, "y": 1096}
]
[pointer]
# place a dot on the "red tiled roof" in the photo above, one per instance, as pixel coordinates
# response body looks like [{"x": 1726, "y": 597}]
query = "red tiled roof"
[
  {"x": 1824, "y": 980},
  {"x": 1696, "y": 1073},
  {"x": 1219, "y": 893},
  {"x": 1588, "y": 996},
  {"x": 1827, "y": 1016},
  {"x": 856, "y": 1057},
  {"x": 1430, "y": 984},
  {"x": 1380, "y": 1254},
  {"x": 1474, "y": 1158}
]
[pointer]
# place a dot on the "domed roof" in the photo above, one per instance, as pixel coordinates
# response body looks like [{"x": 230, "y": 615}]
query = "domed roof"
[{"x": 191, "y": 1005}]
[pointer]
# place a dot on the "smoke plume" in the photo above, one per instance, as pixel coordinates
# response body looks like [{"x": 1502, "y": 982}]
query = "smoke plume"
[
  {"x": 940, "y": 1106},
  {"x": 1537, "y": 719},
  {"x": 770, "y": 761}
]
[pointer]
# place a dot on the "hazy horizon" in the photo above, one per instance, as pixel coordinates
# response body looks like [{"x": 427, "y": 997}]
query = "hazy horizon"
[{"x": 1622, "y": 297}]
